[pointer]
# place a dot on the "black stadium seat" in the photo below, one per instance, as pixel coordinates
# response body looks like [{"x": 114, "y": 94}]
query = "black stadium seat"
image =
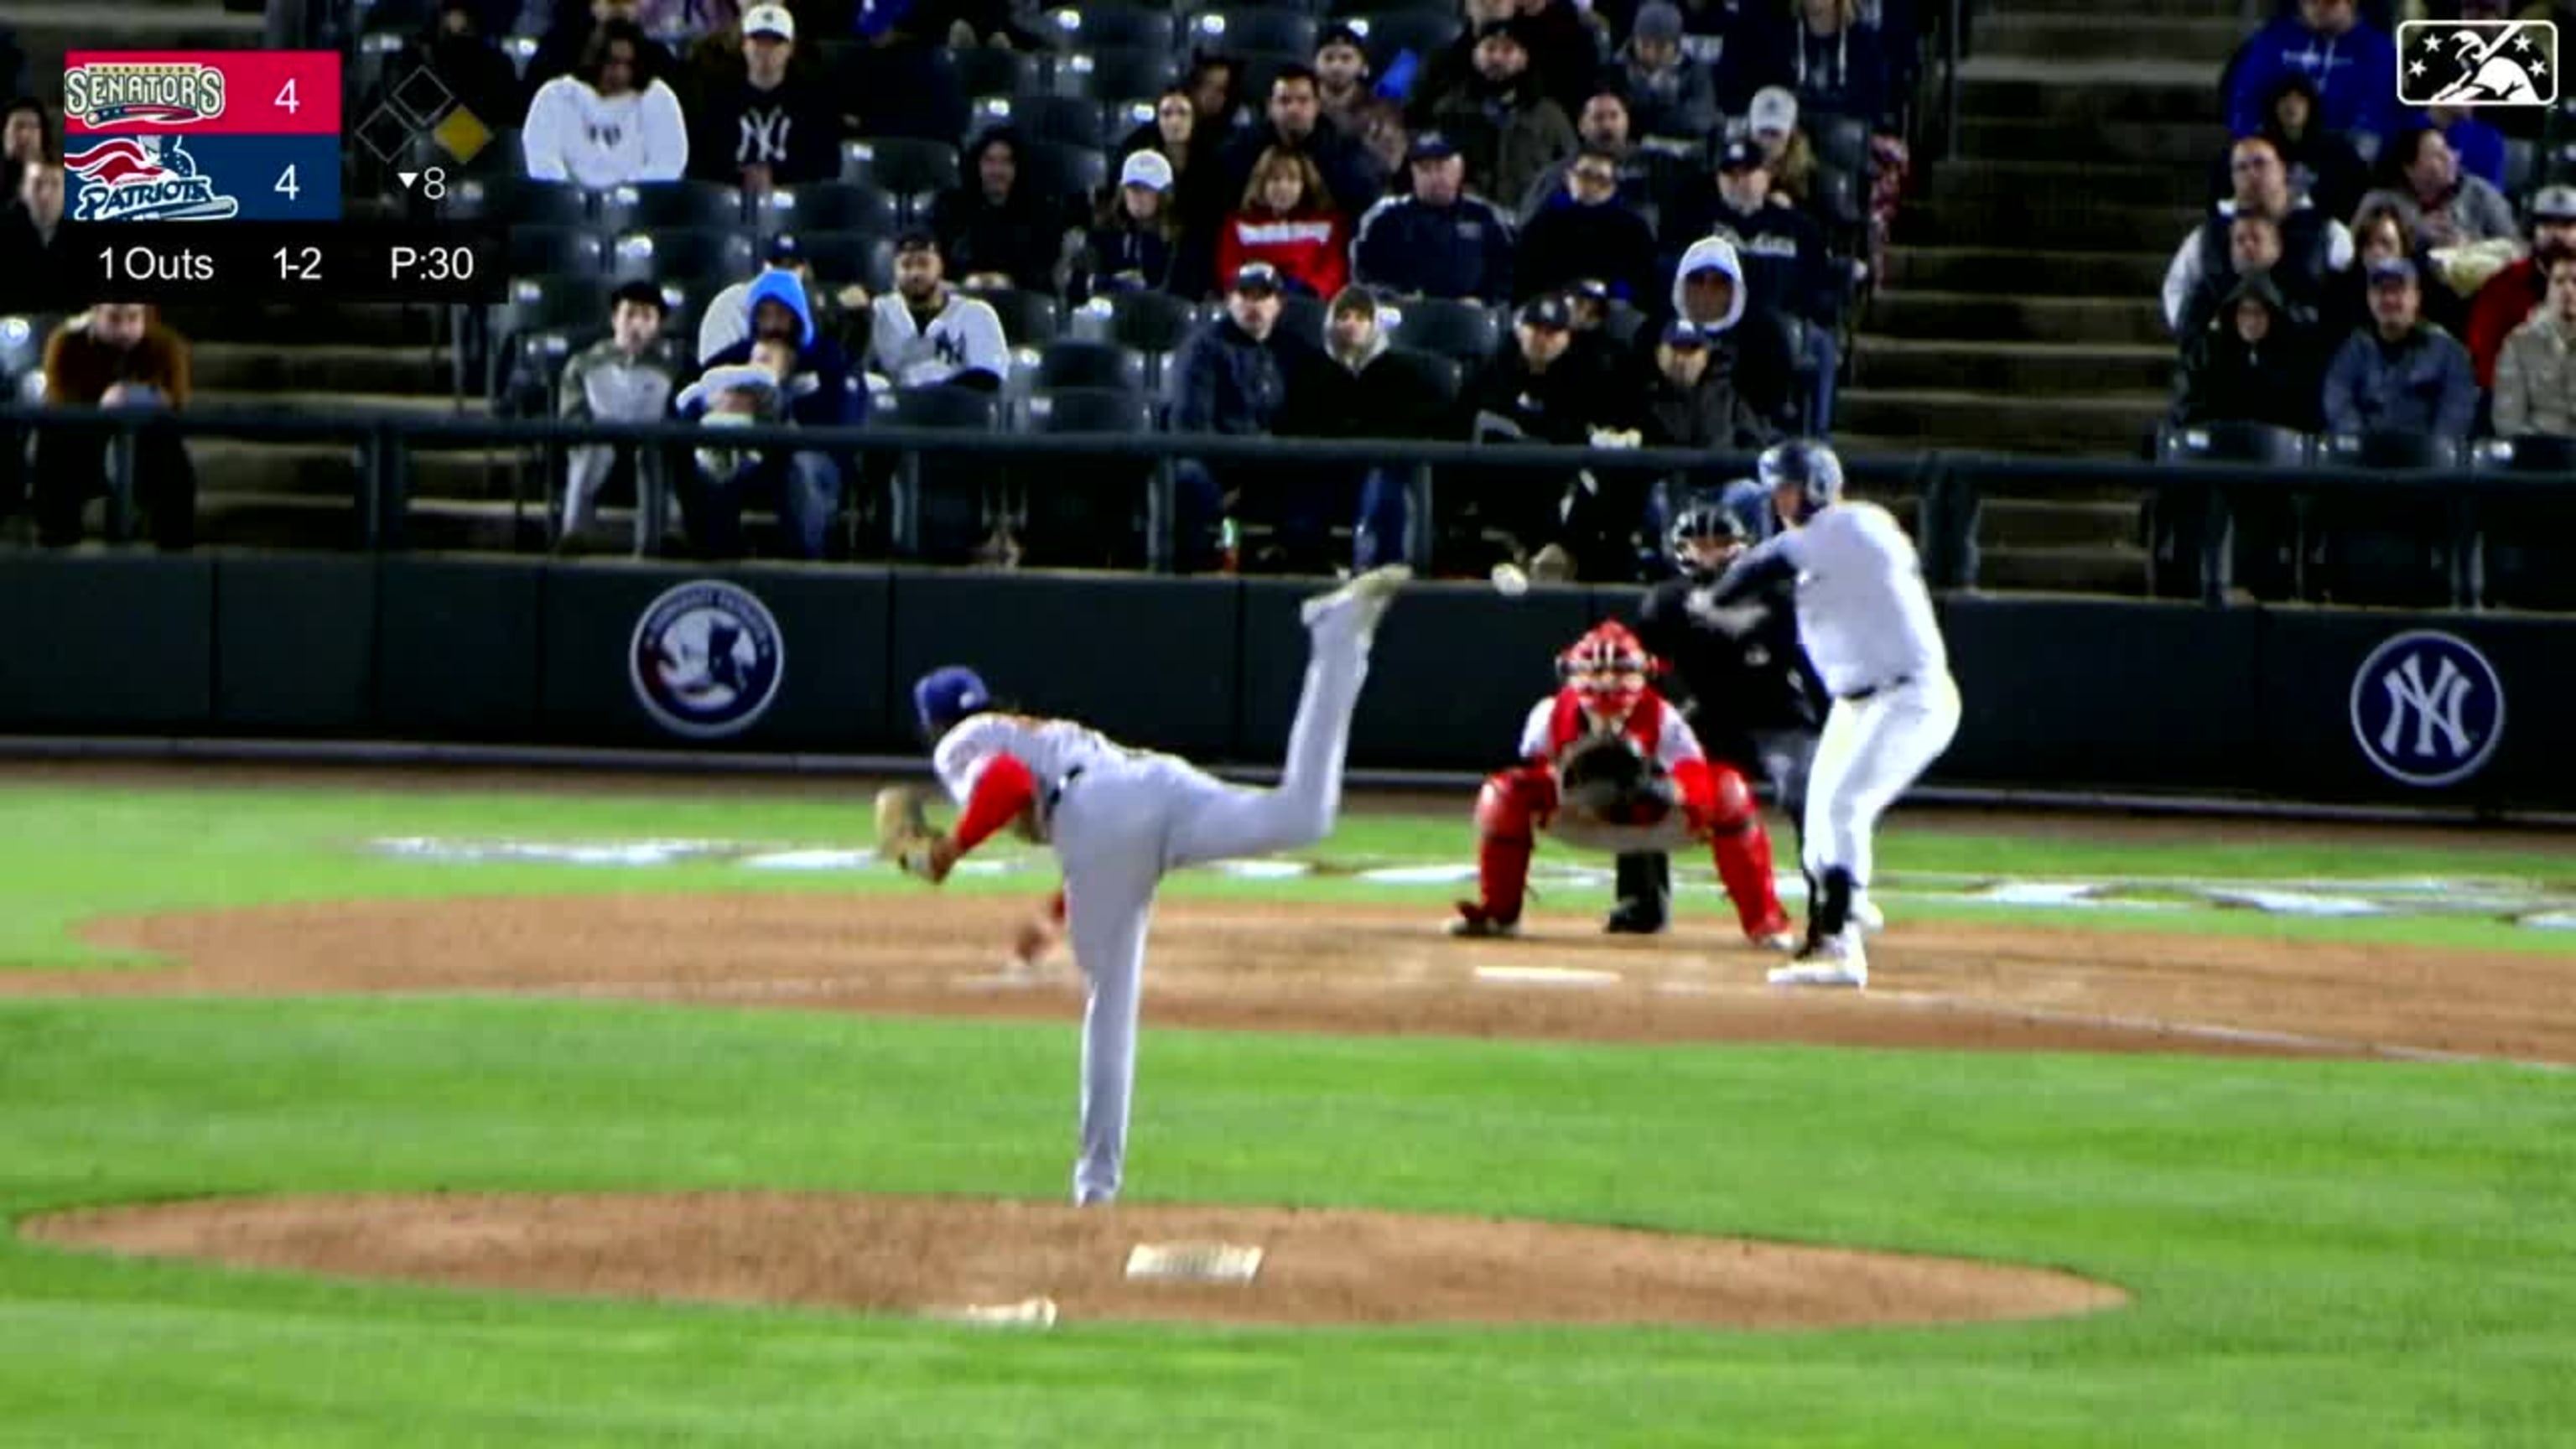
[
  {"x": 2184, "y": 523},
  {"x": 659, "y": 204},
  {"x": 1086, "y": 512},
  {"x": 901, "y": 165},
  {"x": 1305, "y": 315},
  {"x": 1091, "y": 26},
  {"x": 1386, "y": 34},
  {"x": 2525, "y": 551},
  {"x": 1150, "y": 322},
  {"x": 831, "y": 206},
  {"x": 677, "y": 255},
  {"x": 1063, "y": 171},
  {"x": 2385, "y": 545},
  {"x": 1467, "y": 331},
  {"x": 1079, "y": 364},
  {"x": 1029, "y": 319},
  {"x": 516, "y": 201},
  {"x": 843, "y": 257},
  {"x": 1070, "y": 119},
  {"x": 1253, "y": 31},
  {"x": 556, "y": 251},
  {"x": 1115, "y": 73},
  {"x": 983, "y": 70}
]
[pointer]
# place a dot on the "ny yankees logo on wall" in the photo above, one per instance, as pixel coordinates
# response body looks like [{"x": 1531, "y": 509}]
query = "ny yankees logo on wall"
[
  {"x": 2427, "y": 708},
  {"x": 2477, "y": 63}
]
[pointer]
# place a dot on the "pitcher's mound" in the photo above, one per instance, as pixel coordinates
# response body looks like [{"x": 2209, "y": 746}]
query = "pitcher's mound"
[{"x": 931, "y": 1255}]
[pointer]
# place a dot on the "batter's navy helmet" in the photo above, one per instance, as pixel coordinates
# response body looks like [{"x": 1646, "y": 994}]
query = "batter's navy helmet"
[
  {"x": 1705, "y": 521},
  {"x": 946, "y": 695},
  {"x": 1809, "y": 466}
]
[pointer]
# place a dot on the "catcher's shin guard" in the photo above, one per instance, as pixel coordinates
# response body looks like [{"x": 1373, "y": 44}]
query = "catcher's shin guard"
[
  {"x": 1741, "y": 850},
  {"x": 1506, "y": 830},
  {"x": 1645, "y": 885}
]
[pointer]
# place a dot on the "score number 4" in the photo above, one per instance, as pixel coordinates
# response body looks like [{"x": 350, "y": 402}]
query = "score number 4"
[{"x": 287, "y": 186}]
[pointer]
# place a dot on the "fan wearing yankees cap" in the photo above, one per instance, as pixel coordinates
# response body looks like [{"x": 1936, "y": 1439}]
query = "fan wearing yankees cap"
[{"x": 771, "y": 124}]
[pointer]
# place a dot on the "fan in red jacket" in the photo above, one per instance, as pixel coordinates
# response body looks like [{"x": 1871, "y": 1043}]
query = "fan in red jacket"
[
  {"x": 1290, "y": 221},
  {"x": 1605, "y": 692}
]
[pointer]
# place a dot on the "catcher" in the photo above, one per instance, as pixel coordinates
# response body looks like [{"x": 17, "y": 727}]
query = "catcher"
[{"x": 1608, "y": 765}]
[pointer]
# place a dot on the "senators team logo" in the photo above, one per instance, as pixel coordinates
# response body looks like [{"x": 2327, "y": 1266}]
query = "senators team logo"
[
  {"x": 143, "y": 178},
  {"x": 159, "y": 93}
]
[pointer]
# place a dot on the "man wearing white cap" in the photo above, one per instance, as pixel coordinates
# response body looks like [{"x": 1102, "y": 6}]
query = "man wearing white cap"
[
  {"x": 1772, "y": 121},
  {"x": 770, "y": 127}
]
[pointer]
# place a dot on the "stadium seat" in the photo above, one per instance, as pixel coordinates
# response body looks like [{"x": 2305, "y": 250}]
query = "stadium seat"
[
  {"x": 1443, "y": 377},
  {"x": 1079, "y": 364},
  {"x": 516, "y": 201},
  {"x": 676, "y": 255},
  {"x": 1087, "y": 512},
  {"x": 1149, "y": 322},
  {"x": 1092, "y": 26},
  {"x": 956, "y": 497},
  {"x": 1064, "y": 171},
  {"x": 1091, "y": 410},
  {"x": 2187, "y": 526},
  {"x": 1347, "y": 10},
  {"x": 1115, "y": 73},
  {"x": 2386, "y": 545},
  {"x": 1387, "y": 33},
  {"x": 556, "y": 251},
  {"x": 842, "y": 257},
  {"x": 982, "y": 70},
  {"x": 1029, "y": 319},
  {"x": 1840, "y": 203},
  {"x": 1239, "y": 30},
  {"x": 900, "y": 165},
  {"x": 2523, "y": 553},
  {"x": 1840, "y": 142},
  {"x": 1467, "y": 331},
  {"x": 22, "y": 347},
  {"x": 2521, "y": 166},
  {"x": 832, "y": 206},
  {"x": 1069, "y": 119},
  {"x": 554, "y": 303},
  {"x": 537, "y": 364},
  {"x": 659, "y": 204}
]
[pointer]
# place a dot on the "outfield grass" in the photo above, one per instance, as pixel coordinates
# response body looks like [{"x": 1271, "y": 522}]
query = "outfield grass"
[{"x": 2327, "y": 1254}]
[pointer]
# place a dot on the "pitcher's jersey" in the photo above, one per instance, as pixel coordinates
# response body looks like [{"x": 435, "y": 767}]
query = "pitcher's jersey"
[
  {"x": 1050, "y": 748},
  {"x": 1863, "y": 609},
  {"x": 1557, "y": 721}
]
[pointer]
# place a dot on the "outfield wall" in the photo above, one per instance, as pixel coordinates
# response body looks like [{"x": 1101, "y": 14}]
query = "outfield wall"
[{"x": 2087, "y": 696}]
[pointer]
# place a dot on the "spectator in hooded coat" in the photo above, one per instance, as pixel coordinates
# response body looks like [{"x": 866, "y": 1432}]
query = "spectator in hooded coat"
[
  {"x": 2250, "y": 362},
  {"x": 816, "y": 389},
  {"x": 993, "y": 228},
  {"x": 2322, "y": 166}
]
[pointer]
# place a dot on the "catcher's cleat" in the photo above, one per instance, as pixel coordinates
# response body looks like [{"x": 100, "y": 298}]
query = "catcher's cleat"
[
  {"x": 1370, "y": 592},
  {"x": 1781, "y": 941},
  {"x": 1476, "y": 923}
]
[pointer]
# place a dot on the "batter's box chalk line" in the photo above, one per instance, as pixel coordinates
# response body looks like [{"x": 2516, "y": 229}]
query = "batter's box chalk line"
[
  {"x": 1194, "y": 1262},
  {"x": 1545, "y": 976}
]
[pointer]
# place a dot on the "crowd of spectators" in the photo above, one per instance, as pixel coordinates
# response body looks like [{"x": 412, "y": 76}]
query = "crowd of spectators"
[
  {"x": 1527, "y": 219},
  {"x": 2367, "y": 269}
]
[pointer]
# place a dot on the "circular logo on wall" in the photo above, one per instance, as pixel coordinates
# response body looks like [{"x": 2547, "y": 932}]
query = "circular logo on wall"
[
  {"x": 2427, "y": 708},
  {"x": 707, "y": 659}
]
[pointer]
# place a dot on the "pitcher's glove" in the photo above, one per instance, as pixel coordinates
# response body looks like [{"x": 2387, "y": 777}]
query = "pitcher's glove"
[
  {"x": 1608, "y": 779},
  {"x": 905, "y": 836}
]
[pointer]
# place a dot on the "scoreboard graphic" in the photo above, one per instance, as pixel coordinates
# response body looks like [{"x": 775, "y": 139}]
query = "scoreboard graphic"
[{"x": 215, "y": 135}]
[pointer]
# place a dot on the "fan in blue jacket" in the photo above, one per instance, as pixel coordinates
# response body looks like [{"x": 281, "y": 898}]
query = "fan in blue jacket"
[
  {"x": 2353, "y": 64},
  {"x": 820, "y": 392}
]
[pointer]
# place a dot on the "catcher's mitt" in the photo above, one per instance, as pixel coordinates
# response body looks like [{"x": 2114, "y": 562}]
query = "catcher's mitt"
[
  {"x": 904, "y": 834},
  {"x": 1607, "y": 778}
]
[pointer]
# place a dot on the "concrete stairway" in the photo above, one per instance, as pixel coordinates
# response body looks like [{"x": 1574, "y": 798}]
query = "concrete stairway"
[{"x": 2019, "y": 311}]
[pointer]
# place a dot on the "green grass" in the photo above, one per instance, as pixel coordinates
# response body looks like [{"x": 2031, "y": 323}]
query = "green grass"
[
  {"x": 82, "y": 852},
  {"x": 2321, "y": 1254}
]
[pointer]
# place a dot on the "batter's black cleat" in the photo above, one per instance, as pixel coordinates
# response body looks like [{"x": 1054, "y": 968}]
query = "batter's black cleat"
[{"x": 1635, "y": 918}]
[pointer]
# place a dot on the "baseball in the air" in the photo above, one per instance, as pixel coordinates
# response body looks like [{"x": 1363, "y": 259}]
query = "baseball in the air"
[{"x": 1509, "y": 581}]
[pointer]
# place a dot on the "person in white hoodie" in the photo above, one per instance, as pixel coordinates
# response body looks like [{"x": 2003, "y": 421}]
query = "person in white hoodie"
[
  {"x": 608, "y": 123},
  {"x": 1746, "y": 343}
]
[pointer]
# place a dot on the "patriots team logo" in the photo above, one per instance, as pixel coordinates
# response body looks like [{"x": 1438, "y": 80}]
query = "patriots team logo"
[
  {"x": 144, "y": 178},
  {"x": 158, "y": 93},
  {"x": 2477, "y": 63}
]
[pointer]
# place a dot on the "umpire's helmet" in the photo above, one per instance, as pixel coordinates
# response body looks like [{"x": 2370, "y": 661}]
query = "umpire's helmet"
[
  {"x": 1704, "y": 524},
  {"x": 1807, "y": 465}
]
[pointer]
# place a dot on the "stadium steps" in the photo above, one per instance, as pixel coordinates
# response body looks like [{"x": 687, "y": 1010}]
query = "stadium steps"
[
  {"x": 2026, "y": 273},
  {"x": 2018, "y": 368},
  {"x": 253, "y": 367},
  {"x": 2018, "y": 307}
]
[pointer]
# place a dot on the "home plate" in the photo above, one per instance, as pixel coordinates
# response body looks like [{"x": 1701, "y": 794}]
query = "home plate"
[
  {"x": 1194, "y": 1262},
  {"x": 1545, "y": 976}
]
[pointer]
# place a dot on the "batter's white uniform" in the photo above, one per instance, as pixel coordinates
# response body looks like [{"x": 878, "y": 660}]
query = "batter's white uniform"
[
  {"x": 1119, "y": 818},
  {"x": 1867, "y": 622}
]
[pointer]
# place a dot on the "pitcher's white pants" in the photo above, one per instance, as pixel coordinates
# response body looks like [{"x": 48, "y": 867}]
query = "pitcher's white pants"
[
  {"x": 1123, "y": 825},
  {"x": 1871, "y": 750}
]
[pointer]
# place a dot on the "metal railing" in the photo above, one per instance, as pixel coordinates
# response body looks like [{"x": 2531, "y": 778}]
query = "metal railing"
[{"x": 1946, "y": 490}]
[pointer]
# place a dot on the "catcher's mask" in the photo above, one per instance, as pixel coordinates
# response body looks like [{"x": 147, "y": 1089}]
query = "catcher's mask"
[
  {"x": 1705, "y": 536},
  {"x": 946, "y": 695},
  {"x": 1607, "y": 669}
]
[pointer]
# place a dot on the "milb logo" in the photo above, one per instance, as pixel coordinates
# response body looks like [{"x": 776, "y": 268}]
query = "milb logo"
[{"x": 2477, "y": 63}]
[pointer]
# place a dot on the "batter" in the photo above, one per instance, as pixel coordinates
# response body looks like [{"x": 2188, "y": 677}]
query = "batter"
[
  {"x": 1119, "y": 819},
  {"x": 1867, "y": 622}
]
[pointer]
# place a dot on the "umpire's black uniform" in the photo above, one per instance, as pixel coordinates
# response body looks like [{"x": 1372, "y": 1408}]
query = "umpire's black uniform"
[{"x": 1744, "y": 683}]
